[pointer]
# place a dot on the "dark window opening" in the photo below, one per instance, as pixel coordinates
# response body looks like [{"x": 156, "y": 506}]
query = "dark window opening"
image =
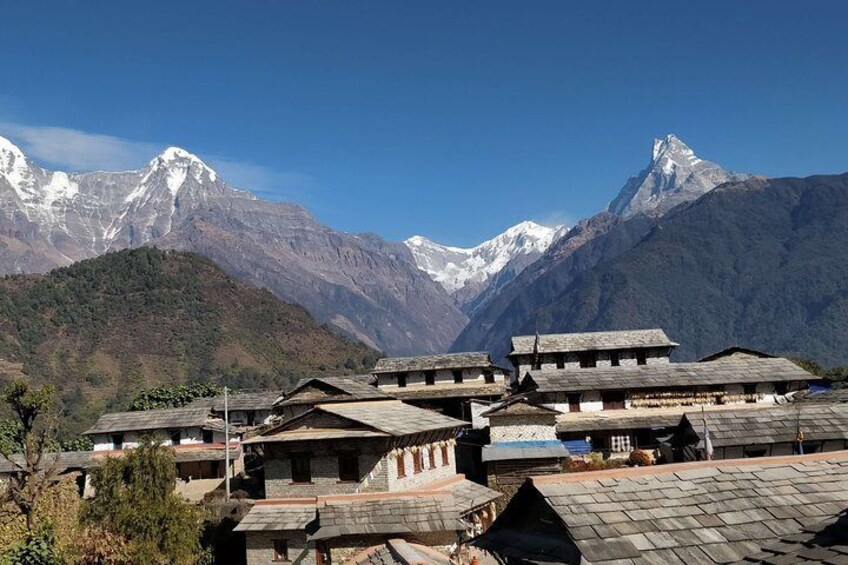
[
  {"x": 208, "y": 436},
  {"x": 614, "y": 360},
  {"x": 755, "y": 451},
  {"x": 781, "y": 388},
  {"x": 574, "y": 403},
  {"x": 348, "y": 466},
  {"x": 560, "y": 361},
  {"x": 445, "y": 457},
  {"x": 641, "y": 358},
  {"x": 489, "y": 377},
  {"x": 457, "y": 376},
  {"x": 536, "y": 365},
  {"x": 401, "y": 466},
  {"x": 402, "y": 380},
  {"x": 301, "y": 465},
  {"x": 613, "y": 400},
  {"x": 588, "y": 360},
  {"x": 750, "y": 391},
  {"x": 281, "y": 550},
  {"x": 175, "y": 437},
  {"x": 430, "y": 378},
  {"x": 118, "y": 441}
]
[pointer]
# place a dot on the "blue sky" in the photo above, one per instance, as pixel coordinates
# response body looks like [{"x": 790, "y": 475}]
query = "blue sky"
[{"x": 450, "y": 119}]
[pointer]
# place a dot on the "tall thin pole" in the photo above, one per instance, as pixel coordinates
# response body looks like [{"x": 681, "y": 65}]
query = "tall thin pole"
[{"x": 226, "y": 443}]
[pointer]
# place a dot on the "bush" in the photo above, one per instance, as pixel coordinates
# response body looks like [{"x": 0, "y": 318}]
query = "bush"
[{"x": 640, "y": 458}]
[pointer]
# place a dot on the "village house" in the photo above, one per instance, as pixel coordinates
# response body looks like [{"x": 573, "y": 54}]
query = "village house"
[
  {"x": 771, "y": 431},
  {"x": 523, "y": 442},
  {"x": 445, "y": 383},
  {"x": 703, "y": 512},
  {"x": 589, "y": 350},
  {"x": 195, "y": 433},
  {"x": 310, "y": 392},
  {"x": 617, "y": 409},
  {"x": 246, "y": 409},
  {"x": 345, "y": 477}
]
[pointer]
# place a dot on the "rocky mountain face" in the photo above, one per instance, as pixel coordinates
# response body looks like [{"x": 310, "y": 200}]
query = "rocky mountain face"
[
  {"x": 675, "y": 175},
  {"x": 474, "y": 275},
  {"x": 369, "y": 288}
]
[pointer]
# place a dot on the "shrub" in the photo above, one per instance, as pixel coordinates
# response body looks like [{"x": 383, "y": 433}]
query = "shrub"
[{"x": 640, "y": 458}]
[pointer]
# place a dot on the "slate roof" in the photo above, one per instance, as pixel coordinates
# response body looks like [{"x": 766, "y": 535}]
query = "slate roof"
[
  {"x": 433, "y": 362},
  {"x": 352, "y": 387},
  {"x": 277, "y": 517},
  {"x": 149, "y": 420},
  {"x": 396, "y": 514},
  {"x": 512, "y": 451},
  {"x": 727, "y": 352},
  {"x": 449, "y": 390},
  {"x": 400, "y": 552},
  {"x": 516, "y": 406},
  {"x": 468, "y": 495},
  {"x": 824, "y": 543},
  {"x": 188, "y": 454},
  {"x": 599, "y": 421},
  {"x": 239, "y": 401},
  {"x": 836, "y": 395},
  {"x": 664, "y": 375},
  {"x": 379, "y": 417},
  {"x": 702, "y": 512},
  {"x": 590, "y": 341},
  {"x": 64, "y": 461},
  {"x": 776, "y": 424}
]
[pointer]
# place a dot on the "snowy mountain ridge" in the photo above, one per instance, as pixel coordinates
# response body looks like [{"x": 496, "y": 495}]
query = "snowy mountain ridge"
[{"x": 466, "y": 272}]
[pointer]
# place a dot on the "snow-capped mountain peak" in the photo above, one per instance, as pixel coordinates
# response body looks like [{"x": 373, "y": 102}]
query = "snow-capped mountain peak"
[
  {"x": 466, "y": 272},
  {"x": 674, "y": 175}
]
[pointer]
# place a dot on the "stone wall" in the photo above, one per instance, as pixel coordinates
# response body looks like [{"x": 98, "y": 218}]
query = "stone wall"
[
  {"x": 416, "y": 379},
  {"x": 522, "y": 428},
  {"x": 571, "y": 360},
  {"x": 260, "y": 548}
]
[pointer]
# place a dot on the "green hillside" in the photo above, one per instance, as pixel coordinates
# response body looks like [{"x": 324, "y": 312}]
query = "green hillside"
[{"x": 104, "y": 329}]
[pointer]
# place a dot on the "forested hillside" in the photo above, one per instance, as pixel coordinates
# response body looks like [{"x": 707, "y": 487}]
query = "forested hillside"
[{"x": 103, "y": 329}]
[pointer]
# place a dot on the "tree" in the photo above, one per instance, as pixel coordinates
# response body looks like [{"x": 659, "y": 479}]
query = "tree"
[
  {"x": 135, "y": 500},
  {"x": 35, "y": 470}
]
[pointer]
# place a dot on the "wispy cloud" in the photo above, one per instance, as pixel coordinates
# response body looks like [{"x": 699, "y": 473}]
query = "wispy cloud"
[
  {"x": 555, "y": 218},
  {"x": 77, "y": 150}
]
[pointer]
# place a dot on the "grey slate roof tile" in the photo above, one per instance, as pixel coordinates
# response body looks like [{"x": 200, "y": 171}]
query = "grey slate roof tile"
[
  {"x": 433, "y": 362},
  {"x": 588, "y": 341}
]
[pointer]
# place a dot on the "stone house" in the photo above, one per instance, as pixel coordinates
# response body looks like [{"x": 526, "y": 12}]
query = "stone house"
[
  {"x": 589, "y": 350},
  {"x": 195, "y": 433},
  {"x": 347, "y": 476},
  {"x": 650, "y": 397},
  {"x": 701, "y": 512},
  {"x": 246, "y": 410},
  {"x": 523, "y": 442},
  {"x": 311, "y": 392},
  {"x": 445, "y": 383},
  {"x": 766, "y": 432}
]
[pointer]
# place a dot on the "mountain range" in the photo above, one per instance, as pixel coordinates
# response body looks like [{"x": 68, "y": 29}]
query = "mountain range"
[{"x": 362, "y": 285}]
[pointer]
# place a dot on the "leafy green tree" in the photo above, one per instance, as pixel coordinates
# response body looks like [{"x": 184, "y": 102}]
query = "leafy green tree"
[
  {"x": 174, "y": 396},
  {"x": 38, "y": 548},
  {"x": 135, "y": 499}
]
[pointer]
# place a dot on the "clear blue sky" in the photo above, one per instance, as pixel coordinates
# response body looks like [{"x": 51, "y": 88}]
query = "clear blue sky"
[{"x": 449, "y": 119}]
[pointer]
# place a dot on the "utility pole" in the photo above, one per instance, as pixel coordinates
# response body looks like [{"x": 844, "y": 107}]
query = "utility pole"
[{"x": 226, "y": 443}]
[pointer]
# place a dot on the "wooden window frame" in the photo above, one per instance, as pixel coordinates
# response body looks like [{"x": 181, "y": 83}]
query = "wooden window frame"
[
  {"x": 417, "y": 462},
  {"x": 280, "y": 549},
  {"x": 348, "y": 462},
  {"x": 571, "y": 405},
  {"x": 431, "y": 457},
  {"x": 301, "y": 456},
  {"x": 401, "y": 465},
  {"x": 445, "y": 456}
]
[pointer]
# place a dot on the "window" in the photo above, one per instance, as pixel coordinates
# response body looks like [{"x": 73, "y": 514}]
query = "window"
[
  {"x": 402, "y": 380},
  {"x": 574, "y": 403},
  {"x": 401, "y": 466},
  {"x": 781, "y": 388},
  {"x": 588, "y": 360},
  {"x": 750, "y": 391},
  {"x": 445, "y": 456},
  {"x": 281, "y": 550},
  {"x": 301, "y": 468},
  {"x": 208, "y": 436},
  {"x": 489, "y": 377},
  {"x": 560, "y": 361},
  {"x": 641, "y": 358},
  {"x": 418, "y": 461},
  {"x": 175, "y": 437},
  {"x": 457, "y": 376},
  {"x": 613, "y": 400},
  {"x": 536, "y": 365},
  {"x": 430, "y": 378},
  {"x": 614, "y": 360},
  {"x": 755, "y": 451},
  {"x": 349, "y": 466},
  {"x": 431, "y": 456},
  {"x": 118, "y": 441}
]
